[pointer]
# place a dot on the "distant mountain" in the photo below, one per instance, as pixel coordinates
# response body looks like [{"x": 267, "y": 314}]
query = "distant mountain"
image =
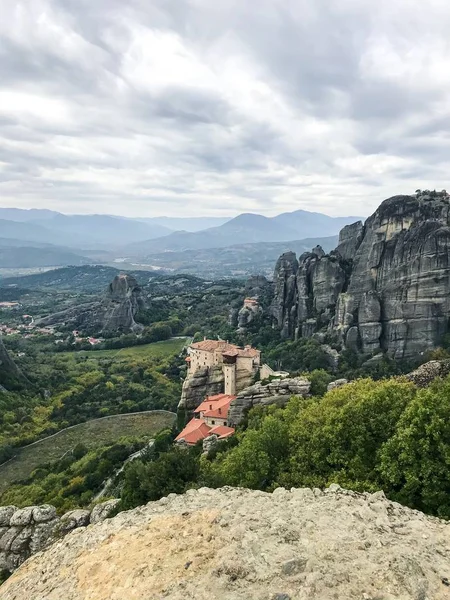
[
  {"x": 191, "y": 224},
  {"x": 313, "y": 224},
  {"x": 78, "y": 231},
  {"x": 25, "y": 215},
  {"x": 246, "y": 228}
]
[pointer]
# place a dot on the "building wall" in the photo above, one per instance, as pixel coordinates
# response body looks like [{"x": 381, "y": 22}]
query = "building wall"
[
  {"x": 229, "y": 372},
  {"x": 200, "y": 358},
  {"x": 244, "y": 363},
  {"x": 213, "y": 421}
]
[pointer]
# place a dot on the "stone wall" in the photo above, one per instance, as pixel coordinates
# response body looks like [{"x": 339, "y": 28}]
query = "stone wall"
[{"x": 25, "y": 531}]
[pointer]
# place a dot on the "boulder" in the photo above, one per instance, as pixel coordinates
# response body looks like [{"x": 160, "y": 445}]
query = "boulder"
[
  {"x": 74, "y": 519},
  {"x": 103, "y": 511}
]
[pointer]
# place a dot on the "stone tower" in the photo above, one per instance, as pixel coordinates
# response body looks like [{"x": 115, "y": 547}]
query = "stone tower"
[{"x": 229, "y": 371}]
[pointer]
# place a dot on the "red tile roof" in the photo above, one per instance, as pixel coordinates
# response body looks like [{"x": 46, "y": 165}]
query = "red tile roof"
[
  {"x": 222, "y": 431},
  {"x": 225, "y": 347},
  {"x": 213, "y": 403},
  {"x": 194, "y": 431}
]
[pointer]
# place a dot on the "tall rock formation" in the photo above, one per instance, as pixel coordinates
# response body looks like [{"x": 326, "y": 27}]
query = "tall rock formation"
[
  {"x": 385, "y": 288},
  {"x": 115, "y": 313},
  {"x": 10, "y": 374}
]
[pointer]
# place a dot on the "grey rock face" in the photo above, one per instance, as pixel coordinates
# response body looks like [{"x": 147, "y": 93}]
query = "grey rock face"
[
  {"x": 207, "y": 381},
  {"x": 336, "y": 384},
  {"x": 25, "y": 531},
  {"x": 276, "y": 392},
  {"x": 102, "y": 511},
  {"x": 246, "y": 315},
  {"x": 115, "y": 313},
  {"x": 9, "y": 371},
  {"x": 385, "y": 288},
  {"x": 425, "y": 374},
  {"x": 285, "y": 293},
  {"x": 349, "y": 240}
]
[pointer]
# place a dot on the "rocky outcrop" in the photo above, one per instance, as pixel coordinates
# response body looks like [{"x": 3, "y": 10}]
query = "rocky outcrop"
[
  {"x": 207, "y": 381},
  {"x": 10, "y": 375},
  {"x": 385, "y": 288},
  {"x": 115, "y": 313},
  {"x": 425, "y": 374},
  {"x": 25, "y": 531},
  {"x": 276, "y": 392},
  {"x": 231, "y": 544},
  {"x": 248, "y": 314}
]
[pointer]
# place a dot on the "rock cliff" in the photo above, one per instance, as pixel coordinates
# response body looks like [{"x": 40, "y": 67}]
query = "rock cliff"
[
  {"x": 235, "y": 544},
  {"x": 384, "y": 289},
  {"x": 10, "y": 375},
  {"x": 114, "y": 313}
]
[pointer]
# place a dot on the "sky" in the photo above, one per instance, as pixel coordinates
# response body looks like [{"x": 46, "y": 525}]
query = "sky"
[{"x": 201, "y": 107}]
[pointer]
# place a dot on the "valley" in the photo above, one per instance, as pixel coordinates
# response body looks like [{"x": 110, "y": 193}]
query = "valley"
[{"x": 295, "y": 380}]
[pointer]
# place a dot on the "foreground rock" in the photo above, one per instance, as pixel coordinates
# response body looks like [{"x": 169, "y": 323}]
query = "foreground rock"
[
  {"x": 385, "y": 287},
  {"x": 235, "y": 544},
  {"x": 115, "y": 313},
  {"x": 25, "y": 531}
]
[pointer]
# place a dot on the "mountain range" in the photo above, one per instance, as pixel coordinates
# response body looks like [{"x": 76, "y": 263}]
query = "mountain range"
[{"x": 44, "y": 238}]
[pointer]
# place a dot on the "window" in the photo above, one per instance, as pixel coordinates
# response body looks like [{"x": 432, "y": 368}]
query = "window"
[{"x": 213, "y": 422}]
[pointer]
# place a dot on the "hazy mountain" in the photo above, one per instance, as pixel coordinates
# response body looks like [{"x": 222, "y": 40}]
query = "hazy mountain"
[
  {"x": 313, "y": 224},
  {"x": 187, "y": 224},
  {"x": 247, "y": 228},
  {"x": 78, "y": 231},
  {"x": 104, "y": 229},
  {"x": 25, "y": 215}
]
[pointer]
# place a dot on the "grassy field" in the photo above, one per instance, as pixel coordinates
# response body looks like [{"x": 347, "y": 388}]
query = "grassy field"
[
  {"x": 93, "y": 434},
  {"x": 165, "y": 348}
]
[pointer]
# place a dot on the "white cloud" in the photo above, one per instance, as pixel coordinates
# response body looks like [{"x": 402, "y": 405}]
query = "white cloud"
[{"x": 192, "y": 107}]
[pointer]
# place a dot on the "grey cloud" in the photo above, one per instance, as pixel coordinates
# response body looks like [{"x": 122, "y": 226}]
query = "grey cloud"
[{"x": 273, "y": 106}]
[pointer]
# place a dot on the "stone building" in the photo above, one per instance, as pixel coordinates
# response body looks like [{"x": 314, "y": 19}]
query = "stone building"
[
  {"x": 210, "y": 419},
  {"x": 236, "y": 363}
]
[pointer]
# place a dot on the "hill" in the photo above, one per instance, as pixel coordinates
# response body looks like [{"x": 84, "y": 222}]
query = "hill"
[
  {"x": 232, "y": 544},
  {"x": 244, "y": 229},
  {"x": 186, "y": 223},
  {"x": 76, "y": 231},
  {"x": 93, "y": 434},
  {"x": 238, "y": 260}
]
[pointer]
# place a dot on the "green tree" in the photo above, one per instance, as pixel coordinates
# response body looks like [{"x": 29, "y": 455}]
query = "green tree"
[{"x": 415, "y": 462}]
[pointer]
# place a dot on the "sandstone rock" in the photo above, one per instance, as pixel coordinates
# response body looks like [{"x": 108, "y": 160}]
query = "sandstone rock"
[
  {"x": 210, "y": 442},
  {"x": 248, "y": 544},
  {"x": 6, "y": 512},
  {"x": 114, "y": 313},
  {"x": 336, "y": 384},
  {"x": 277, "y": 392},
  {"x": 103, "y": 511},
  {"x": 22, "y": 517},
  {"x": 207, "y": 381},
  {"x": 74, "y": 519},
  {"x": 425, "y": 374},
  {"x": 43, "y": 513},
  {"x": 386, "y": 286}
]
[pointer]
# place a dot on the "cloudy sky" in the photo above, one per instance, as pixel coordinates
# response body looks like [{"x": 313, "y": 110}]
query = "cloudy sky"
[{"x": 215, "y": 107}]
